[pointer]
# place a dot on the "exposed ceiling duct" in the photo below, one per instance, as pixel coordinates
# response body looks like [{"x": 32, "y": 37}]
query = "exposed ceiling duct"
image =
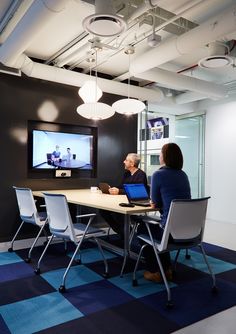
[
  {"x": 11, "y": 53},
  {"x": 179, "y": 81},
  {"x": 50, "y": 73},
  {"x": 42, "y": 11},
  {"x": 213, "y": 29},
  {"x": 29, "y": 26}
]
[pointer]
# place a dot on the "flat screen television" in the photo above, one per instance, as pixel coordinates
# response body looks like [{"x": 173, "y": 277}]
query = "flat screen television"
[{"x": 53, "y": 146}]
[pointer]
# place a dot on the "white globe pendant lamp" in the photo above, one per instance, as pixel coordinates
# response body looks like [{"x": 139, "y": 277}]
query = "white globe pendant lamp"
[
  {"x": 91, "y": 93},
  {"x": 128, "y": 106},
  {"x": 95, "y": 110}
]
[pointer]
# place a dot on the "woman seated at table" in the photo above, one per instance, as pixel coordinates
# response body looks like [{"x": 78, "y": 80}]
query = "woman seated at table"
[{"x": 168, "y": 183}]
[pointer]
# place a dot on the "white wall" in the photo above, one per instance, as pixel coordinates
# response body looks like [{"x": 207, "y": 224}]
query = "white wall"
[{"x": 220, "y": 158}]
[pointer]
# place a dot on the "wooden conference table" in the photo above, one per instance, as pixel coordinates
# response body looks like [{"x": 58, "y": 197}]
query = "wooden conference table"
[{"x": 98, "y": 200}]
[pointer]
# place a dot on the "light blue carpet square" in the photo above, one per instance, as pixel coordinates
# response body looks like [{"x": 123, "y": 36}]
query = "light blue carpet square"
[
  {"x": 9, "y": 258},
  {"x": 77, "y": 275},
  {"x": 144, "y": 287},
  {"x": 196, "y": 261},
  {"x": 38, "y": 313},
  {"x": 90, "y": 255}
]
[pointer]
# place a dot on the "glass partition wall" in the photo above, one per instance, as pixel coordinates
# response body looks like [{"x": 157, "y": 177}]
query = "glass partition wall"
[
  {"x": 155, "y": 129},
  {"x": 190, "y": 136}
]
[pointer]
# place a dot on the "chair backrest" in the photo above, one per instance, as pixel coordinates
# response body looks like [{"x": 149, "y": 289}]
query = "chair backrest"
[
  {"x": 59, "y": 218},
  {"x": 26, "y": 204},
  {"x": 186, "y": 221}
]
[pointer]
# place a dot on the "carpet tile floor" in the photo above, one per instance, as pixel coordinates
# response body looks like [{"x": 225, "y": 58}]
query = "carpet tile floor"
[{"x": 31, "y": 303}]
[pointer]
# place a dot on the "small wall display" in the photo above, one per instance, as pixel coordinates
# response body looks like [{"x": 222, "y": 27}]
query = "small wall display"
[{"x": 158, "y": 128}]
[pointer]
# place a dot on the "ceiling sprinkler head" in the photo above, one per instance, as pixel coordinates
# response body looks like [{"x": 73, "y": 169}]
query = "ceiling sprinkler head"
[{"x": 129, "y": 50}]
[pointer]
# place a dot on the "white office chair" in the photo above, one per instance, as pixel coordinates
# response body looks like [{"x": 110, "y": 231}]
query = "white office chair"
[
  {"x": 30, "y": 215},
  {"x": 185, "y": 223},
  {"x": 61, "y": 226}
]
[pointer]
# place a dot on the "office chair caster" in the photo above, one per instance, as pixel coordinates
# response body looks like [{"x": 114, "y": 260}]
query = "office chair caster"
[
  {"x": 77, "y": 261},
  {"x": 27, "y": 260},
  {"x": 135, "y": 282},
  {"x": 10, "y": 250},
  {"x": 214, "y": 289},
  {"x": 105, "y": 275},
  {"x": 169, "y": 304},
  {"x": 37, "y": 271},
  {"x": 62, "y": 289}
]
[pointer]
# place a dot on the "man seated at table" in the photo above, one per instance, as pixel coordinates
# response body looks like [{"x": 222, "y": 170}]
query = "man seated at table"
[
  {"x": 132, "y": 174},
  {"x": 56, "y": 154}
]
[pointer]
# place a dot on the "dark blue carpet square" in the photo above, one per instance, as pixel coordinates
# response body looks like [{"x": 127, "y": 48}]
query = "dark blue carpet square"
[
  {"x": 131, "y": 318},
  {"x": 115, "y": 265},
  {"x": 228, "y": 276},
  {"x": 14, "y": 271},
  {"x": 96, "y": 296},
  {"x": 54, "y": 258},
  {"x": 28, "y": 287},
  {"x": 194, "y": 301},
  {"x": 3, "y": 327}
]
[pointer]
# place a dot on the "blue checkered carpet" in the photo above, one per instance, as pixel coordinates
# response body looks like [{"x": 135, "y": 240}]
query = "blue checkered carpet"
[{"x": 31, "y": 303}]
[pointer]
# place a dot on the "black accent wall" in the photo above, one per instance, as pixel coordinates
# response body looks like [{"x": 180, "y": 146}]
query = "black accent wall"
[{"x": 21, "y": 99}]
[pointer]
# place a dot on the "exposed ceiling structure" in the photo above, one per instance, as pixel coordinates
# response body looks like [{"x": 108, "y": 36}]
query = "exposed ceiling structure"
[{"x": 184, "y": 50}]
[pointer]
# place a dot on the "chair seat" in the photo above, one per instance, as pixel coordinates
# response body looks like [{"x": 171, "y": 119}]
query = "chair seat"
[
  {"x": 80, "y": 228},
  {"x": 171, "y": 245}
]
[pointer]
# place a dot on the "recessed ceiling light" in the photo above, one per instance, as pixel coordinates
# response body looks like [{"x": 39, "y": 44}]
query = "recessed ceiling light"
[
  {"x": 215, "y": 61},
  {"x": 104, "y": 25}
]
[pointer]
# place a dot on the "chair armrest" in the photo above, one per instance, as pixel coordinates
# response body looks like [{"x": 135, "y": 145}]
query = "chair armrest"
[
  {"x": 152, "y": 220},
  {"x": 86, "y": 215}
]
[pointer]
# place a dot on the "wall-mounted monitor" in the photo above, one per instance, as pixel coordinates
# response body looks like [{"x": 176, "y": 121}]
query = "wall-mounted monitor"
[{"x": 53, "y": 146}]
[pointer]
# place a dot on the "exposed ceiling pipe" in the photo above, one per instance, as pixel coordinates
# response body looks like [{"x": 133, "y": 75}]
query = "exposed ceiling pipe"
[
  {"x": 213, "y": 29},
  {"x": 39, "y": 13},
  {"x": 9, "y": 13},
  {"x": 15, "y": 18},
  {"x": 143, "y": 8},
  {"x": 50, "y": 73},
  {"x": 179, "y": 81},
  {"x": 188, "y": 97}
]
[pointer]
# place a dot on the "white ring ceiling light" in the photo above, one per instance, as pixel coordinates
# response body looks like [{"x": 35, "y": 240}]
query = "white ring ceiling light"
[
  {"x": 104, "y": 25},
  {"x": 215, "y": 61}
]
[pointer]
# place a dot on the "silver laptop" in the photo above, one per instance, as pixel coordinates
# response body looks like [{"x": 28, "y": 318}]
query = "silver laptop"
[{"x": 137, "y": 194}]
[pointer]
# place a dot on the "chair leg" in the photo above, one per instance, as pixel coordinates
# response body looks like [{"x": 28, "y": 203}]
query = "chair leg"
[
  {"x": 135, "y": 283},
  {"x": 37, "y": 270},
  {"x": 169, "y": 301},
  {"x": 106, "y": 274},
  {"x": 176, "y": 258},
  {"x": 62, "y": 288},
  {"x": 123, "y": 265},
  {"x": 12, "y": 242},
  {"x": 187, "y": 255},
  {"x": 28, "y": 259},
  {"x": 133, "y": 231},
  {"x": 209, "y": 267}
]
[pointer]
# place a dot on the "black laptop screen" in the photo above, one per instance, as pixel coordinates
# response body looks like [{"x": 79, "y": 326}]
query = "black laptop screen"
[{"x": 136, "y": 191}]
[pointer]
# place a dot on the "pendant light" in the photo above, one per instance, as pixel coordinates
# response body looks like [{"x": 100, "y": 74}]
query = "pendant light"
[
  {"x": 128, "y": 106},
  {"x": 91, "y": 93}
]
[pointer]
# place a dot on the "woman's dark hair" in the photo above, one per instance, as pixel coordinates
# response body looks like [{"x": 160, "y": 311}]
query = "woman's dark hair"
[{"x": 172, "y": 156}]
